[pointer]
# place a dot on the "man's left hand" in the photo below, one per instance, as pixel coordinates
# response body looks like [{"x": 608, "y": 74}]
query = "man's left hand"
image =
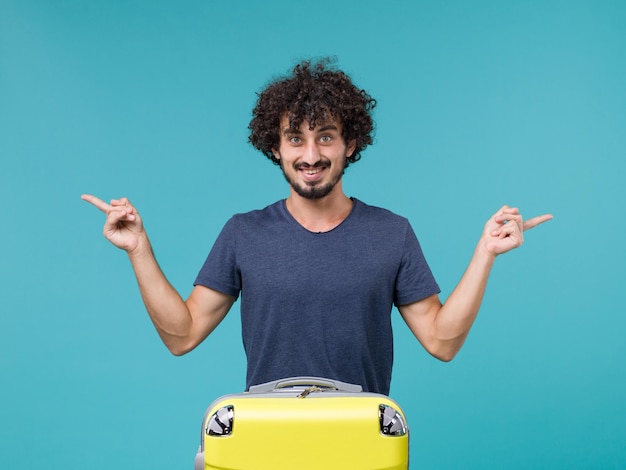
[{"x": 504, "y": 231}]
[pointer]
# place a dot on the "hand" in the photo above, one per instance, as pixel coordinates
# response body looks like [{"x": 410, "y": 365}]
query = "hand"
[
  {"x": 123, "y": 226},
  {"x": 505, "y": 230}
]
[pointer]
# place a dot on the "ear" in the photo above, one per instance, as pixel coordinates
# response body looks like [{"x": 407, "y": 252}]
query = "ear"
[
  {"x": 351, "y": 148},
  {"x": 276, "y": 154}
]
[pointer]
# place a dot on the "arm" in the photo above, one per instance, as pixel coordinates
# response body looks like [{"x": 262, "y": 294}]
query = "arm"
[
  {"x": 442, "y": 329},
  {"x": 182, "y": 325}
]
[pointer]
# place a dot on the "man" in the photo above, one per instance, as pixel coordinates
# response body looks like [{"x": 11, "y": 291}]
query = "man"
[{"x": 318, "y": 272}]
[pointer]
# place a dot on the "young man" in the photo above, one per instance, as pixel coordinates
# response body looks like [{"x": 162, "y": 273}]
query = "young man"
[{"x": 319, "y": 272}]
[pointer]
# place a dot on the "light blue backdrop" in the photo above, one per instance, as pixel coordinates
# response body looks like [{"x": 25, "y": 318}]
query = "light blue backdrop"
[{"x": 480, "y": 104}]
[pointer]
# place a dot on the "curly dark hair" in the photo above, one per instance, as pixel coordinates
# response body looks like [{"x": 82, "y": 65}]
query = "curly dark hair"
[{"x": 315, "y": 92}]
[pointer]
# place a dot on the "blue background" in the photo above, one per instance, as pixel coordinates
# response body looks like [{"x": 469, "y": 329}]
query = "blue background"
[{"x": 480, "y": 104}]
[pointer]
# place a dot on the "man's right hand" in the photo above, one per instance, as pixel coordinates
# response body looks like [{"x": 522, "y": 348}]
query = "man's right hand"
[
  {"x": 123, "y": 226},
  {"x": 181, "y": 325}
]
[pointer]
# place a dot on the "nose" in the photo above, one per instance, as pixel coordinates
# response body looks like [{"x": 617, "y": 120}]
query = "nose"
[{"x": 311, "y": 154}]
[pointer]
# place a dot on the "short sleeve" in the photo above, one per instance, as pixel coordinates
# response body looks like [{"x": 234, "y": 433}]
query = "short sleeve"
[
  {"x": 415, "y": 280},
  {"x": 220, "y": 270}
]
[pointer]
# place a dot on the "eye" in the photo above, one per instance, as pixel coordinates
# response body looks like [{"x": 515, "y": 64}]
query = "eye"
[
  {"x": 326, "y": 139},
  {"x": 295, "y": 140}
]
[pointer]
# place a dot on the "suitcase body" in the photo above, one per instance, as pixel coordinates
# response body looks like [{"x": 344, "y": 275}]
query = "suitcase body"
[{"x": 304, "y": 423}]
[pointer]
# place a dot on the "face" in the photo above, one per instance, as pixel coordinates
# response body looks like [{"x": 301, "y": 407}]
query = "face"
[{"x": 313, "y": 160}]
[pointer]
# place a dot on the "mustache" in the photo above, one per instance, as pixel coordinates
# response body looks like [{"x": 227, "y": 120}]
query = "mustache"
[{"x": 318, "y": 164}]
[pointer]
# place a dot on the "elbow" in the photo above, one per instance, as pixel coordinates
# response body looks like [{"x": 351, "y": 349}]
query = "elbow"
[
  {"x": 177, "y": 343},
  {"x": 444, "y": 351},
  {"x": 446, "y": 356},
  {"x": 178, "y": 348},
  {"x": 178, "y": 351}
]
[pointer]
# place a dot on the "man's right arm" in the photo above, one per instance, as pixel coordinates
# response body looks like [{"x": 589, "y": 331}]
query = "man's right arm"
[{"x": 182, "y": 325}]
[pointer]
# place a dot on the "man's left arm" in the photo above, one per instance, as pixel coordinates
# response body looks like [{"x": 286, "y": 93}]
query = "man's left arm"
[{"x": 442, "y": 329}]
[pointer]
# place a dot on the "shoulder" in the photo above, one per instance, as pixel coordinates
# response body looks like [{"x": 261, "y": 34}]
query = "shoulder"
[
  {"x": 270, "y": 221},
  {"x": 271, "y": 214},
  {"x": 377, "y": 215}
]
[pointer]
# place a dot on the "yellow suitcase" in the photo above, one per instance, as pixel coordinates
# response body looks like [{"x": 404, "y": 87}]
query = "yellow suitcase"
[{"x": 304, "y": 423}]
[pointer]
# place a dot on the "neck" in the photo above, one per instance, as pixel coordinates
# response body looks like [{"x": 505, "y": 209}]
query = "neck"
[{"x": 320, "y": 215}]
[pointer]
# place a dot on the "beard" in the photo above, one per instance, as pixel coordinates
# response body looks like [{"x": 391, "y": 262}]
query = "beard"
[{"x": 313, "y": 190}]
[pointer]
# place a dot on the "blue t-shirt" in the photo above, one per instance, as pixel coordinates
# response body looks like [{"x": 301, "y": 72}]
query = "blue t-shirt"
[{"x": 319, "y": 304}]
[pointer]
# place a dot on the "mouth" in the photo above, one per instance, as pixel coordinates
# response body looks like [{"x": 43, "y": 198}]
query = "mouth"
[{"x": 312, "y": 174}]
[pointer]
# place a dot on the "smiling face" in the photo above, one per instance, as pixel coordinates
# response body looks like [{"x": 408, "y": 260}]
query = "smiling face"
[{"x": 313, "y": 160}]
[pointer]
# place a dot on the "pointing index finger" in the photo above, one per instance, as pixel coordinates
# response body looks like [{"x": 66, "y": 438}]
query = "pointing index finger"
[
  {"x": 531, "y": 223},
  {"x": 100, "y": 204}
]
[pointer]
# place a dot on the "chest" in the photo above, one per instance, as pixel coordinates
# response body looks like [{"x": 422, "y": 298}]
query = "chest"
[{"x": 296, "y": 265}]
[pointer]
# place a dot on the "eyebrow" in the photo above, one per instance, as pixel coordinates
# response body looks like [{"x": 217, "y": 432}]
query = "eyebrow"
[
  {"x": 327, "y": 127},
  {"x": 289, "y": 131}
]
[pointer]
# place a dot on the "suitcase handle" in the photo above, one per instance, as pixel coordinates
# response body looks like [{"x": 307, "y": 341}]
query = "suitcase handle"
[{"x": 305, "y": 381}]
